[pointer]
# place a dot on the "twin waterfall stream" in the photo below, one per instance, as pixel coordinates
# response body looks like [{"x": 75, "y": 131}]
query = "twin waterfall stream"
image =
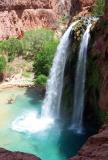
[
  {"x": 51, "y": 104},
  {"x": 78, "y": 106}
]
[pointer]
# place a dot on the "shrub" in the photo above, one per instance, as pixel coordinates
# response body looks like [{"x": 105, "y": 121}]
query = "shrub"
[
  {"x": 44, "y": 52},
  {"x": 11, "y": 47},
  {"x": 41, "y": 80},
  {"x": 43, "y": 60},
  {"x": 2, "y": 63},
  {"x": 14, "y": 48},
  {"x": 34, "y": 41},
  {"x": 98, "y": 8}
]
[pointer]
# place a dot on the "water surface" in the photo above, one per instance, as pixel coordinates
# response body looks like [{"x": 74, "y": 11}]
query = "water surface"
[{"x": 54, "y": 143}]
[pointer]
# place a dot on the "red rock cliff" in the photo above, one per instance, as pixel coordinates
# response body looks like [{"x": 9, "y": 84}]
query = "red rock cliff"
[
  {"x": 106, "y": 9},
  {"x": 96, "y": 147},
  {"x": 81, "y": 7},
  {"x": 17, "y": 16}
]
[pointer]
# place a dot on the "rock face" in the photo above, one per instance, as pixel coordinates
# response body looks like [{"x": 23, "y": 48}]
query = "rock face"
[
  {"x": 24, "y": 4},
  {"x": 8, "y": 155},
  {"x": 99, "y": 53},
  {"x": 96, "y": 147},
  {"x": 17, "y": 16},
  {"x": 81, "y": 7},
  {"x": 106, "y": 9}
]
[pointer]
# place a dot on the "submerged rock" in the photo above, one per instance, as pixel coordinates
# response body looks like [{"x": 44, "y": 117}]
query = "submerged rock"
[{"x": 8, "y": 155}]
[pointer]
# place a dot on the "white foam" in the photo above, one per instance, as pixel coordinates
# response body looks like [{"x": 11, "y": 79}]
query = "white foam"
[{"x": 30, "y": 122}]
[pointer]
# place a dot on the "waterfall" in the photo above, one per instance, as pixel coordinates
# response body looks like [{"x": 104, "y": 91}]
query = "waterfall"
[
  {"x": 30, "y": 121},
  {"x": 51, "y": 104},
  {"x": 78, "y": 106}
]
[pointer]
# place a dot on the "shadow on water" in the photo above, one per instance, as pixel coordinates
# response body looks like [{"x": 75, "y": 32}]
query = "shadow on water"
[
  {"x": 35, "y": 94},
  {"x": 70, "y": 143}
]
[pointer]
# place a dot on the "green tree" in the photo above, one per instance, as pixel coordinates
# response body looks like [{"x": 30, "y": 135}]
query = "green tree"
[
  {"x": 44, "y": 52},
  {"x": 41, "y": 80},
  {"x": 2, "y": 63},
  {"x": 11, "y": 47},
  {"x": 98, "y": 9},
  {"x": 34, "y": 41},
  {"x": 43, "y": 60},
  {"x": 14, "y": 48}
]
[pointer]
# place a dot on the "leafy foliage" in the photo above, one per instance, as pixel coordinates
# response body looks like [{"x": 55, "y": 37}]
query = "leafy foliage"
[
  {"x": 43, "y": 59},
  {"x": 41, "y": 80},
  {"x": 35, "y": 40},
  {"x": 2, "y": 64},
  {"x": 44, "y": 48},
  {"x": 11, "y": 47},
  {"x": 37, "y": 45},
  {"x": 98, "y": 8},
  {"x": 40, "y": 45}
]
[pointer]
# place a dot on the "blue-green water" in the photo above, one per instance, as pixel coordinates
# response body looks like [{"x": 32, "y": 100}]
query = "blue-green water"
[{"x": 54, "y": 143}]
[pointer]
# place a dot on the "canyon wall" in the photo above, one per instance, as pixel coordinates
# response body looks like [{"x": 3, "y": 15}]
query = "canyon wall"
[
  {"x": 17, "y": 16},
  {"x": 96, "y": 148},
  {"x": 106, "y": 9},
  {"x": 81, "y": 7}
]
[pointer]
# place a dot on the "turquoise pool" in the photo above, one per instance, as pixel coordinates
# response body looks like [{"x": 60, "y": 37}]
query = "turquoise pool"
[{"x": 54, "y": 143}]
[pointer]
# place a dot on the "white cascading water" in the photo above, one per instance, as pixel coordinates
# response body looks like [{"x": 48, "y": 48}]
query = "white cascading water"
[
  {"x": 51, "y": 104},
  {"x": 30, "y": 121},
  {"x": 78, "y": 106}
]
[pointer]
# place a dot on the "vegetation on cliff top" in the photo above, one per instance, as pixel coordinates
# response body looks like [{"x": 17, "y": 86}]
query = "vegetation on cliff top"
[
  {"x": 98, "y": 9},
  {"x": 2, "y": 63}
]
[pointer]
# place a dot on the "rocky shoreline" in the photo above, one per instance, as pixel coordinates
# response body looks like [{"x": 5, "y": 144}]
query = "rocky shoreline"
[
  {"x": 30, "y": 85},
  {"x": 8, "y": 155},
  {"x": 10, "y": 85},
  {"x": 17, "y": 81}
]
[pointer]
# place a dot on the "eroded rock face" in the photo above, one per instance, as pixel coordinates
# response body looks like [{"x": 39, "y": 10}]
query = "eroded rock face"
[
  {"x": 24, "y": 4},
  {"x": 17, "y": 16},
  {"x": 35, "y": 4},
  {"x": 8, "y": 155},
  {"x": 99, "y": 52},
  {"x": 96, "y": 147},
  {"x": 81, "y": 7},
  {"x": 106, "y": 9}
]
